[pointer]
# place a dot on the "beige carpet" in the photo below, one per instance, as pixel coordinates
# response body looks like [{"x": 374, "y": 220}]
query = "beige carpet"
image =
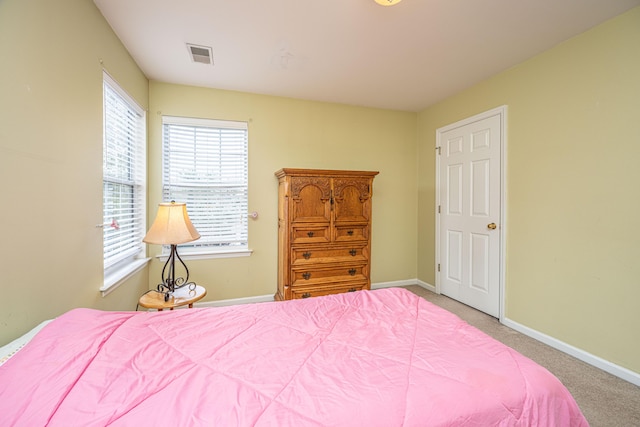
[{"x": 605, "y": 400}]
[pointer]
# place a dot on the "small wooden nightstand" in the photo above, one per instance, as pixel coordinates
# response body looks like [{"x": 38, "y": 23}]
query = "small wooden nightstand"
[{"x": 180, "y": 297}]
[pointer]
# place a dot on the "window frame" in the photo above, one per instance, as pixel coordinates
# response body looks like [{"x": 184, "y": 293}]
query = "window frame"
[
  {"x": 132, "y": 259},
  {"x": 196, "y": 250}
]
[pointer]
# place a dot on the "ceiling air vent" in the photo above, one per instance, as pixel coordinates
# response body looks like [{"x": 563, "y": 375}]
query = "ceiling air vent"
[{"x": 200, "y": 54}]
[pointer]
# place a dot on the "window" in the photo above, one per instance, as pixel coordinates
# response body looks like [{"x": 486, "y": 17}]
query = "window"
[
  {"x": 205, "y": 166},
  {"x": 123, "y": 182}
]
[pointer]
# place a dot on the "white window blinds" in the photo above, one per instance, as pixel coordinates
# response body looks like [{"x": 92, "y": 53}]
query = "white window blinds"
[
  {"x": 123, "y": 166},
  {"x": 205, "y": 165}
]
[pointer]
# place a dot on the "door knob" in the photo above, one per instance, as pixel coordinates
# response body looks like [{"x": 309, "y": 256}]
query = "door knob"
[{"x": 492, "y": 226}]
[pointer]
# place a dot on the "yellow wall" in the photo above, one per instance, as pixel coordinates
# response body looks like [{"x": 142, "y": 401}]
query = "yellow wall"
[
  {"x": 298, "y": 134},
  {"x": 573, "y": 188},
  {"x": 51, "y": 159}
]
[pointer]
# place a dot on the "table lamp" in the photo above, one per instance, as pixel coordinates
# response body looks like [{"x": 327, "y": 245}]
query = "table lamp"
[{"x": 172, "y": 226}]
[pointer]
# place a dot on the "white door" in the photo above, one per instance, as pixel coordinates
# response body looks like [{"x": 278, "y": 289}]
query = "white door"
[{"x": 469, "y": 259}]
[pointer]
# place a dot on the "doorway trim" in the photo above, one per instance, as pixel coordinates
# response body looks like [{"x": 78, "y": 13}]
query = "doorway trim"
[{"x": 502, "y": 112}]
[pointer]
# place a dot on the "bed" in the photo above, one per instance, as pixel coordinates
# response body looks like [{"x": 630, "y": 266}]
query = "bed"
[{"x": 369, "y": 358}]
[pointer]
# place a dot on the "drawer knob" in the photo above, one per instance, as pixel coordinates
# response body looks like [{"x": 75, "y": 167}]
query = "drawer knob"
[
  {"x": 350, "y": 232},
  {"x": 352, "y": 272},
  {"x": 353, "y": 252},
  {"x": 306, "y": 275},
  {"x": 306, "y": 295},
  {"x": 306, "y": 255},
  {"x": 310, "y": 234}
]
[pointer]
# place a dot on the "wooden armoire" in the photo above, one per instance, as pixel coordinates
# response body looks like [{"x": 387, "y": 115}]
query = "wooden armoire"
[{"x": 324, "y": 232}]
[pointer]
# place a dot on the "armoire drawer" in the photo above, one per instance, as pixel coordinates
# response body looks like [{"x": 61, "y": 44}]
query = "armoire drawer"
[
  {"x": 297, "y": 293},
  {"x": 310, "y": 234},
  {"x": 325, "y": 254},
  {"x": 333, "y": 274},
  {"x": 351, "y": 233}
]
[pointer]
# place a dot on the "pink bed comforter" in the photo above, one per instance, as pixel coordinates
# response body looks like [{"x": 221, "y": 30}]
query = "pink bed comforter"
[{"x": 370, "y": 358}]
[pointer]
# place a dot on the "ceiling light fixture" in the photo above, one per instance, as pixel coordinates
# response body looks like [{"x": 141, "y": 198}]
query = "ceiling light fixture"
[{"x": 387, "y": 2}]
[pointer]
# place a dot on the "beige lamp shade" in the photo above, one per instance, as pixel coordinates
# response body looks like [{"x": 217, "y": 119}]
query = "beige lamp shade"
[{"x": 172, "y": 226}]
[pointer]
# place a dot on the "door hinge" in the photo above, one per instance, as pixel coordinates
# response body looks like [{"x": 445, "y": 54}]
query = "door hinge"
[
  {"x": 438, "y": 267},
  {"x": 438, "y": 150},
  {"x": 439, "y": 209}
]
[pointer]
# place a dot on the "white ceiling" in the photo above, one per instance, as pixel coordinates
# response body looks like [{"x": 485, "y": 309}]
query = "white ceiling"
[{"x": 403, "y": 57}]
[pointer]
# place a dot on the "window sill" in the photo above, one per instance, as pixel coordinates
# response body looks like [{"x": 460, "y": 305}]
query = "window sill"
[
  {"x": 119, "y": 276},
  {"x": 209, "y": 255}
]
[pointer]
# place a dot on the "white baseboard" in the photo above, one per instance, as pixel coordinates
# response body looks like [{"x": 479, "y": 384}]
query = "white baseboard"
[
  {"x": 427, "y": 286},
  {"x": 394, "y": 284},
  {"x": 235, "y": 301},
  {"x": 407, "y": 282},
  {"x": 598, "y": 362}
]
